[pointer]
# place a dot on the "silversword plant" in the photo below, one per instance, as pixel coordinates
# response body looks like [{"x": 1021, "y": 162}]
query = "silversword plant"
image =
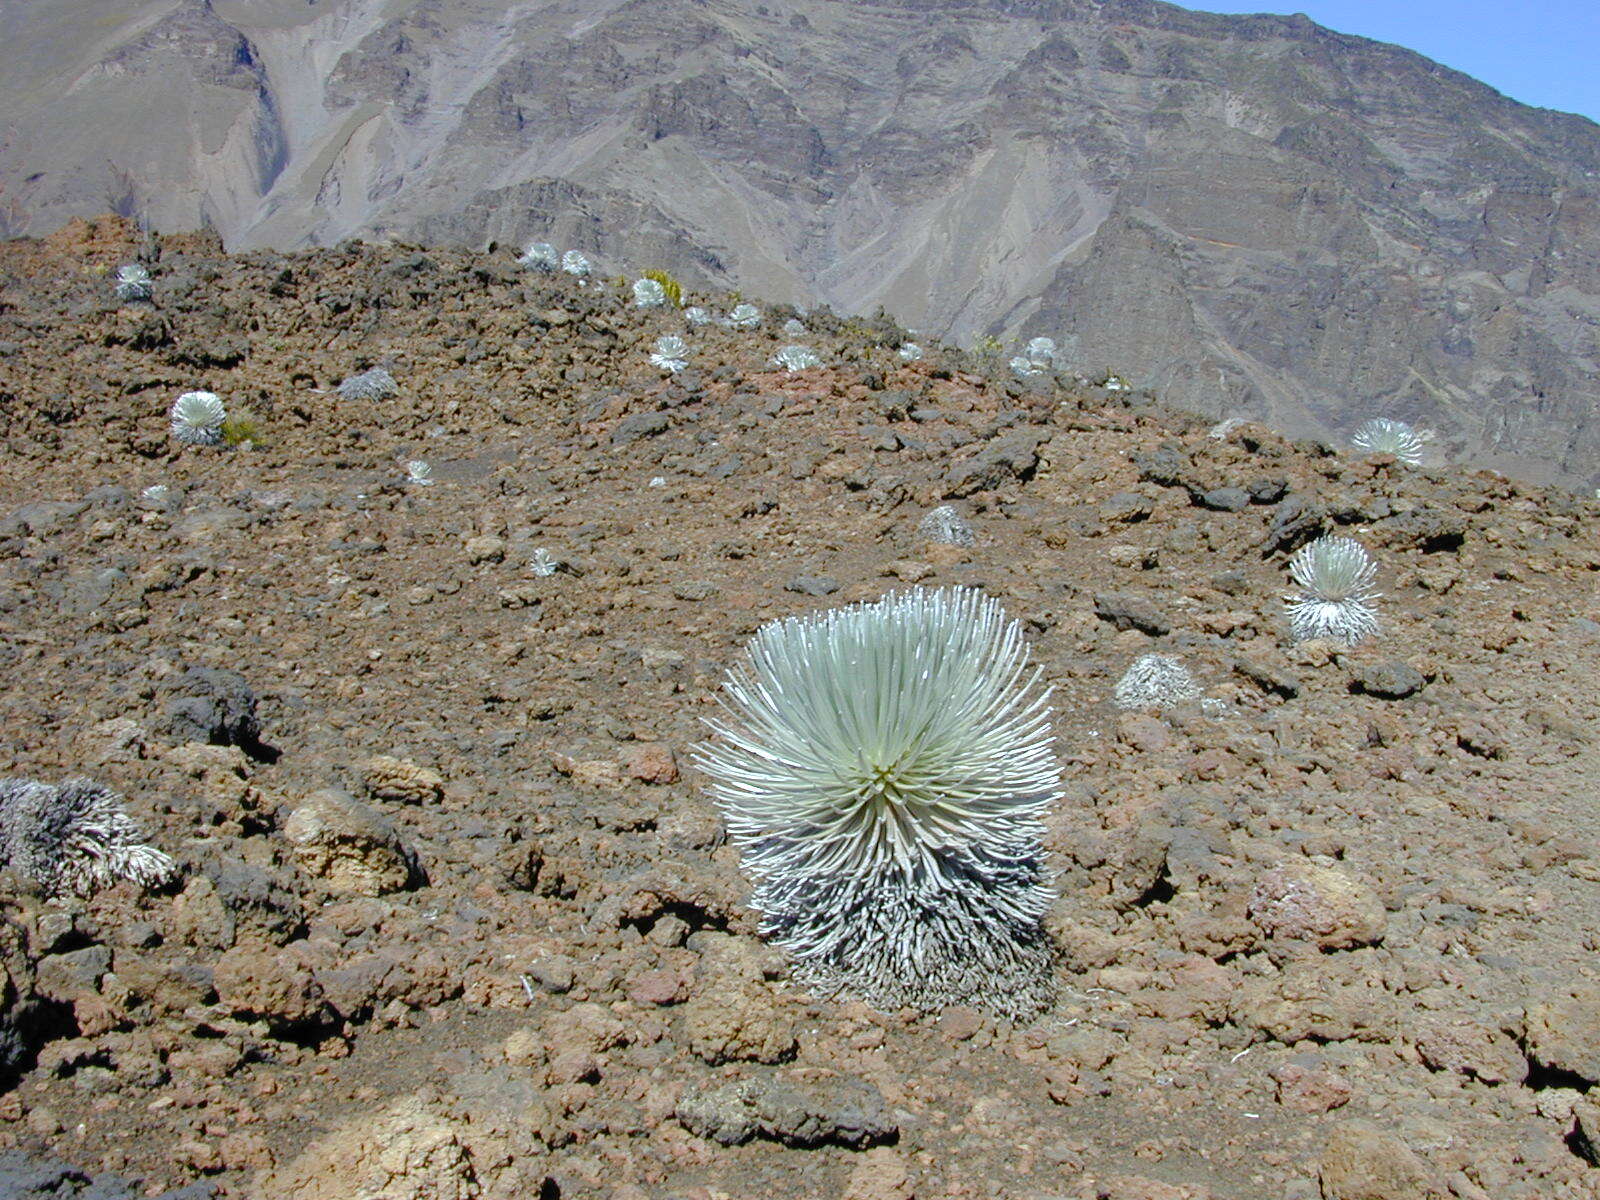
[
  {"x": 794, "y": 328},
  {"x": 1155, "y": 681},
  {"x": 671, "y": 353},
  {"x": 1041, "y": 351},
  {"x": 910, "y": 352},
  {"x": 1025, "y": 367},
  {"x": 796, "y": 358},
  {"x": 542, "y": 563},
  {"x": 1383, "y": 436},
  {"x": 696, "y": 315},
  {"x": 744, "y": 316},
  {"x": 540, "y": 256},
  {"x": 1223, "y": 429},
  {"x": 946, "y": 526},
  {"x": 575, "y": 263},
  {"x": 133, "y": 283},
  {"x": 376, "y": 384},
  {"x": 419, "y": 472},
  {"x": 648, "y": 293},
  {"x": 196, "y": 418},
  {"x": 883, "y": 769},
  {"x": 74, "y": 837},
  {"x": 1335, "y": 599}
]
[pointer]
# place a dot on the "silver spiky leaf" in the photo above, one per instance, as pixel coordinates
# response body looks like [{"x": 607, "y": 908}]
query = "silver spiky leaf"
[
  {"x": 1335, "y": 599},
  {"x": 883, "y": 768},
  {"x": 1155, "y": 681},
  {"x": 133, "y": 283},
  {"x": 945, "y": 525},
  {"x": 1383, "y": 436},
  {"x": 196, "y": 418},
  {"x": 744, "y": 316},
  {"x": 540, "y": 256},
  {"x": 376, "y": 384},
  {"x": 74, "y": 837},
  {"x": 796, "y": 358},
  {"x": 574, "y": 262}
]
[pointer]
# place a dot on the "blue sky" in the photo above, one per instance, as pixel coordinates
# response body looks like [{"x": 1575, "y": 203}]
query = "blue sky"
[{"x": 1541, "y": 52}]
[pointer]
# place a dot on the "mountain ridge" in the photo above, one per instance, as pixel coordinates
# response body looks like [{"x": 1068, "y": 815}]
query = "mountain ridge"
[{"x": 1253, "y": 215}]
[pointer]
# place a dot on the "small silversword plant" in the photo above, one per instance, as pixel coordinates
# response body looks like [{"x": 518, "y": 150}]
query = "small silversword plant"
[
  {"x": 671, "y": 353},
  {"x": 946, "y": 526},
  {"x": 648, "y": 293},
  {"x": 540, "y": 256},
  {"x": 542, "y": 563},
  {"x": 744, "y": 316},
  {"x": 74, "y": 837},
  {"x": 910, "y": 352},
  {"x": 133, "y": 282},
  {"x": 883, "y": 769},
  {"x": 1041, "y": 351},
  {"x": 1025, "y": 367},
  {"x": 575, "y": 263},
  {"x": 376, "y": 384},
  {"x": 794, "y": 328},
  {"x": 1383, "y": 436},
  {"x": 1155, "y": 681},
  {"x": 696, "y": 315},
  {"x": 1335, "y": 598},
  {"x": 196, "y": 418},
  {"x": 796, "y": 358},
  {"x": 419, "y": 472}
]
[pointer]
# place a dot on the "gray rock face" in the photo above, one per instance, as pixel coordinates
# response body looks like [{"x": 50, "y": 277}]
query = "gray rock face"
[
  {"x": 1250, "y": 214},
  {"x": 839, "y": 1111}
]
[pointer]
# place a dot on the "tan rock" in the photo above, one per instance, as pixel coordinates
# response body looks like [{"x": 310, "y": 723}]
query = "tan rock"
[
  {"x": 735, "y": 1020},
  {"x": 1328, "y": 907},
  {"x": 1362, "y": 1162},
  {"x": 651, "y": 762},
  {"x": 349, "y": 847},
  {"x": 1564, "y": 1033},
  {"x": 880, "y": 1175},
  {"x": 388, "y": 778},
  {"x": 409, "y": 1151},
  {"x": 260, "y": 982}
]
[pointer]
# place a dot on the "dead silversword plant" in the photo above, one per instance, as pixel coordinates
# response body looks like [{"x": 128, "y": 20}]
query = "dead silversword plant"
[
  {"x": 1155, "y": 681},
  {"x": 1383, "y": 436},
  {"x": 376, "y": 384},
  {"x": 883, "y": 769},
  {"x": 196, "y": 418},
  {"x": 1336, "y": 594},
  {"x": 74, "y": 837},
  {"x": 946, "y": 526}
]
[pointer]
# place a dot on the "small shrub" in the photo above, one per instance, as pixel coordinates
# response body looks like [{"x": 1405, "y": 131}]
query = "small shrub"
[
  {"x": 883, "y": 769},
  {"x": 670, "y": 287},
  {"x": 1335, "y": 600},
  {"x": 241, "y": 430},
  {"x": 196, "y": 418}
]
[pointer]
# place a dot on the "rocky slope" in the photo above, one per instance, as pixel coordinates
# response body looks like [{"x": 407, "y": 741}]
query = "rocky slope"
[
  {"x": 1252, "y": 215},
  {"x": 453, "y": 917}
]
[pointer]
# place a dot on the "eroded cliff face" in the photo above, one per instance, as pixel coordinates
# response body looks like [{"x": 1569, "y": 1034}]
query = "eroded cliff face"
[{"x": 1251, "y": 214}]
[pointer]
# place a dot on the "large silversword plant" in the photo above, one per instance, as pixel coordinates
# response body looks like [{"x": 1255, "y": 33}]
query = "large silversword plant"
[
  {"x": 1336, "y": 593},
  {"x": 883, "y": 769}
]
